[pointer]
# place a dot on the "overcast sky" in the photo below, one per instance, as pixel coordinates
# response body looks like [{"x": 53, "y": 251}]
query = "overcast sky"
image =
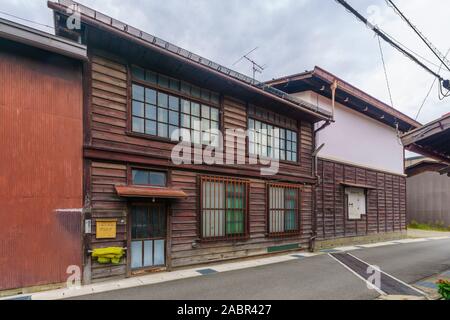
[{"x": 292, "y": 36}]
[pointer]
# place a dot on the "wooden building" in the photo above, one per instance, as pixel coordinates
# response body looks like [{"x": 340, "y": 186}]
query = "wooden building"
[
  {"x": 140, "y": 90},
  {"x": 362, "y": 187},
  {"x": 431, "y": 140},
  {"x": 428, "y": 179},
  {"x": 41, "y": 160},
  {"x": 428, "y": 190}
]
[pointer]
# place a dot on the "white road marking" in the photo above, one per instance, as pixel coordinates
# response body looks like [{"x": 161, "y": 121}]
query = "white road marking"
[
  {"x": 345, "y": 249},
  {"x": 379, "y": 244},
  {"x": 392, "y": 277},
  {"x": 369, "y": 284},
  {"x": 404, "y": 241},
  {"x": 438, "y": 238}
]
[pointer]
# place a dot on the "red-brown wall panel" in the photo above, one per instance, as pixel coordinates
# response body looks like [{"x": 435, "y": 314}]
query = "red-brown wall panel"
[{"x": 40, "y": 166}]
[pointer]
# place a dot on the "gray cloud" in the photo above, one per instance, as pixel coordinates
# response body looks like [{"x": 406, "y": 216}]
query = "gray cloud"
[{"x": 292, "y": 36}]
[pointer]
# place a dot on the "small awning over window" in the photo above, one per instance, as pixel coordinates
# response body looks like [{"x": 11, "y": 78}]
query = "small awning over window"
[
  {"x": 355, "y": 185},
  {"x": 149, "y": 192}
]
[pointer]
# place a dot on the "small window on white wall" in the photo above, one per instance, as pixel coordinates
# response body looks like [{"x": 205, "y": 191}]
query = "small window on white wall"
[{"x": 356, "y": 203}]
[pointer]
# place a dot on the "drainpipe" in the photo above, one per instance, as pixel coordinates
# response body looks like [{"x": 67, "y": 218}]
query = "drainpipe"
[
  {"x": 333, "y": 88},
  {"x": 312, "y": 240}
]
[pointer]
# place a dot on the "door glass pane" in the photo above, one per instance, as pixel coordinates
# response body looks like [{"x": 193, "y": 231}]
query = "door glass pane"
[
  {"x": 136, "y": 254},
  {"x": 160, "y": 253},
  {"x": 148, "y": 253},
  {"x": 140, "y": 229},
  {"x": 148, "y": 224}
]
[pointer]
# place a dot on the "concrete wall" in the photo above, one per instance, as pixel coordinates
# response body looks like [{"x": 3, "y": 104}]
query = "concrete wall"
[
  {"x": 357, "y": 139},
  {"x": 428, "y": 198}
]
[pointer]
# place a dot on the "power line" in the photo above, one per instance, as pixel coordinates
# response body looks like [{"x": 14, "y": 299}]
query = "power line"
[
  {"x": 413, "y": 52},
  {"x": 429, "y": 91},
  {"x": 385, "y": 73},
  {"x": 381, "y": 34},
  {"x": 433, "y": 48},
  {"x": 27, "y": 20}
]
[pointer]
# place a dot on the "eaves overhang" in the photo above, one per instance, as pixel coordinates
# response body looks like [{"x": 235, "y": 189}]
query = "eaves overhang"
[
  {"x": 432, "y": 140},
  {"x": 320, "y": 81},
  {"x": 35, "y": 38}
]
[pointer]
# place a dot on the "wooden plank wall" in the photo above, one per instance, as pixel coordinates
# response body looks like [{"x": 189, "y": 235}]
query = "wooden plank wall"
[
  {"x": 108, "y": 124},
  {"x": 386, "y": 203},
  {"x": 187, "y": 249},
  {"x": 106, "y": 204}
]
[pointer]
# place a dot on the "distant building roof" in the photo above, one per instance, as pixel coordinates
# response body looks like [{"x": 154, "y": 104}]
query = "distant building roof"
[
  {"x": 432, "y": 140},
  {"x": 319, "y": 81},
  {"x": 42, "y": 40}
]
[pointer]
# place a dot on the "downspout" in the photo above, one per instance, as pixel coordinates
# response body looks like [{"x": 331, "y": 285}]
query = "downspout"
[{"x": 312, "y": 240}]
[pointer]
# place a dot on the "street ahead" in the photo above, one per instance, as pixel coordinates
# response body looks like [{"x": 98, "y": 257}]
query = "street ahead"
[{"x": 319, "y": 278}]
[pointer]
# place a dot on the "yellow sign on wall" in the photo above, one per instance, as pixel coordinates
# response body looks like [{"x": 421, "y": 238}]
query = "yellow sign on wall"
[{"x": 106, "y": 228}]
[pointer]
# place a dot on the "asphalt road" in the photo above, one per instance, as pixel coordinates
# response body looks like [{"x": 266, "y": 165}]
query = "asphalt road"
[{"x": 316, "y": 278}]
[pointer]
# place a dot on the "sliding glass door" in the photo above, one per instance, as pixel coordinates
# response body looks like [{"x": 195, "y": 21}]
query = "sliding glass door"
[{"x": 148, "y": 236}]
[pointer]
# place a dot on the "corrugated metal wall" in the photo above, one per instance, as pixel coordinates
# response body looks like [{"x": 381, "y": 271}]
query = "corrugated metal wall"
[
  {"x": 428, "y": 197},
  {"x": 40, "y": 166}
]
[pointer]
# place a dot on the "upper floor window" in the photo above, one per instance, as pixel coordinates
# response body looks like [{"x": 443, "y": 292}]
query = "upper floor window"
[
  {"x": 160, "y": 113},
  {"x": 266, "y": 140},
  {"x": 148, "y": 178},
  {"x": 184, "y": 88}
]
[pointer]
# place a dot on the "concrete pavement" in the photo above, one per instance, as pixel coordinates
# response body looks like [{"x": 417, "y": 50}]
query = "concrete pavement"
[{"x": 314, "y": 278}]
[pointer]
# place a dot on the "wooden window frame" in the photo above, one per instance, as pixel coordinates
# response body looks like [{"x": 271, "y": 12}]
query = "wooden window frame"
[
  {"x": 297, "y": 132},
  {"x": 130, "y": 169},
  {"x": 227, "y": 181},
  {"x": 149, "y": 85},
  {"x": 298, "y": 210}
]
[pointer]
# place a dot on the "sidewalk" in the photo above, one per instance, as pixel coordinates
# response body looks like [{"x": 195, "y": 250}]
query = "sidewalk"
[
  {"x": 429, "y": 285},
  {"x": 200, "y": 271},
  {"x": 415, "y": 233}
]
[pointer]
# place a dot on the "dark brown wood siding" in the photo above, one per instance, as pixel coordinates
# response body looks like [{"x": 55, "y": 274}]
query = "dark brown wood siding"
[
  {"x": 187, "y": 249},
  {"x": 109, "y": 130},
  {"x": 386, "y": 202},
  {"x": 112, "y": 149}
]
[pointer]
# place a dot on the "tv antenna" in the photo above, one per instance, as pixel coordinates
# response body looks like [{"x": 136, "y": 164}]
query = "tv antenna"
[{"x": 257, "y": 68}]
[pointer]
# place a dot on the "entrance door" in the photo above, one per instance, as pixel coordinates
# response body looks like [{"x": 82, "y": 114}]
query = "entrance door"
[{"x": 148, "y": 236}]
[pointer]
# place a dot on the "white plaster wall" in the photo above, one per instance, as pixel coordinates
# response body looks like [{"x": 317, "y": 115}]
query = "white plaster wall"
[{"x": 358, "y": 139}]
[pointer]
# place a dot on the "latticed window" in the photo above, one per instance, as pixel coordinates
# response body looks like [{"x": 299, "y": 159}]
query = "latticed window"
[
  {"x": 162, "y": 106},
  {"x": 283, "y": 209},
  {"x": 270, "y": 141},
  {"x": 223, "y": 208}
]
